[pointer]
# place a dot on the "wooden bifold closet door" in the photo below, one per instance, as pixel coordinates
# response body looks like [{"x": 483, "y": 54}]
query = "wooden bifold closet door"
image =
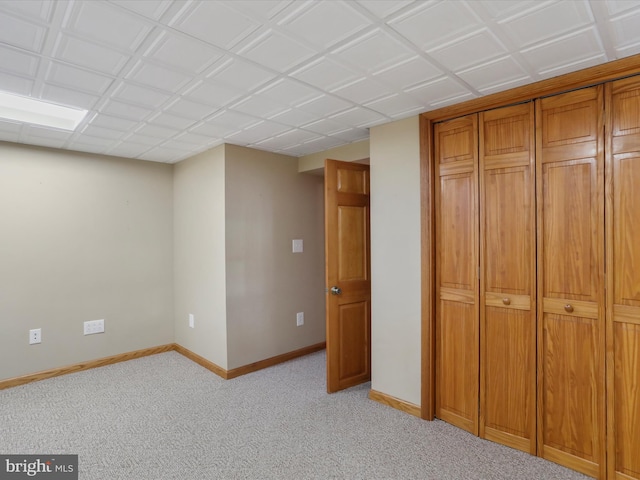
[
  {"x": 571, "y": 328},
  {"x": 623, "y": 279},
  {"x": 457, "y": 344},
  {"x": 507, "y": 277},
  {"x": 485, "y": 224}
]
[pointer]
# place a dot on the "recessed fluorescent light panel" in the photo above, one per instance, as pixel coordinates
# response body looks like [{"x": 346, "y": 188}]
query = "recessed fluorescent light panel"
[{"x": 31, "y": 110}]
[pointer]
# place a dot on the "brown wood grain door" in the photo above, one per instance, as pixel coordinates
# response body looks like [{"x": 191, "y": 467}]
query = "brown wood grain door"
[
  {"x": 348, "y": 274},
  {"x": 571, "y": 326},
  {"x": 507, "y": 279},
  {"x": 623, "y": 278},
  {"x": 457, "y": 340}
]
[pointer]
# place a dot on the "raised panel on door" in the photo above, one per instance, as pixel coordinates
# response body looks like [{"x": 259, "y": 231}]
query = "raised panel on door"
[
  {"x": 571, "y": 328},
  {"x": 457, "y": 335},
  {"x": 507, "y": 282},
  {"x": 623, "y": 260}
]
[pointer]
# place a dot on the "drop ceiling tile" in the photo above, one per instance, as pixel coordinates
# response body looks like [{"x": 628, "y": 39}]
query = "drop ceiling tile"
[
  {"x": 192, "y": 110},
  {"x": 36, "y": 9},
  {"x": 6, "y": 136},
  {"x": 294, "y": 117},
  {"x": 69, "y": 97},
  {"x": 438, "y": 91},
  {"x": 10, "y": 128},
  {"x": 550, "y": 20},
  {"x": 193, "y": 138},
  {"x": 164, "y": 154},
  {"x": 264, "y": 130},
  {"x": 235, "y": 120},
  {"x": 152, "y": 9},
  {"x": 90, "y": 55},
  {"x": 615, "y": 7},
  {"x": 212, "y": 130},
  {"x": 157, "y": 131},
  {"x": 86, "y": 81},
  {"x": 323, "y": 143},
  {"x": 126, "y": 110},
  {"x": 289, "y": 92},
  {"x": 90, "y": 142},
  {"x": 626, "y": 30},
  {"x": 102, "y": 132},
  {"x": 15, "y": 84},
  {"x": 453, "y": 100},
  {"x": 215, "y": 23},
  {"x": 363, "y": 91},
  {"x": 259, "y": 106},
  {"x": 213, "y": 94},
  {"x": 483, "y": 77},
  {"x": 17, "y": 61},
  {"x": 397, "y": 104},
  {"x": 326, "y": 23},
  {"x": 326, "y": 105},
  {"x": 277, "y": 51},
  {"x": 260, "y": 9},
  {"x": 115, "y": 123},
  {"x": 325, "y": 126},
  {"x": 326, "y": 74},
  {"x": 159, "y": 77},
  {"x": 408, "y": 73},
  {"x": 140, "y": 95},
  {"x": 292, "y": 137},
  {"x": 21, "y": 33},
  {"x": 240, "y": 75},
  {"x": 172, "y": 121},
  {"x": 437, "y": 23},
  {"x": 109, "y": 24},
  {"x": 143, "y": 139},
  {"x": 374, "y": 52},
  {"x": 499, "y": 9},
  {"x": 384, "y": 8},
  {"x": 182, "y": 53},
  {"x": 477, "y": 48},
  {"x": 178, "y": 145},
  {"x": 564, "y": 51},
  {"x": 360, "y": 117},
  {"x": 353, "y": 134}
]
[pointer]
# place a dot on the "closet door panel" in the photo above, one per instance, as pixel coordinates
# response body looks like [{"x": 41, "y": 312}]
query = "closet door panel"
[
  {"x": 623, "y": 257},
  {"x": 571, "y": 348},
  {"x": 507, "y": 282},
  {"x": 457, "y": 337}
]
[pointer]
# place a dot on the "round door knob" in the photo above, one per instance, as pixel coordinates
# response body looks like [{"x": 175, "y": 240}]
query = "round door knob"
[
  {"x": 506, "y": 301},
  {"x": 568, "y": 308},
  {"x": 336, "y": 290}
]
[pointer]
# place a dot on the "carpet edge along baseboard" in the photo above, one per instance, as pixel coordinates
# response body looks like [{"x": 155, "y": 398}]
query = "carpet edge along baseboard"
[
  {"x": 394, "y": 402},
  {"x": 81, "y": 366},
  {"x": 194, "y": 357}
]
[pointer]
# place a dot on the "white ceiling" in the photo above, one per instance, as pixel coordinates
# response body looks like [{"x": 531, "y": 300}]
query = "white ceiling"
[{"x": 164, "y": 79}]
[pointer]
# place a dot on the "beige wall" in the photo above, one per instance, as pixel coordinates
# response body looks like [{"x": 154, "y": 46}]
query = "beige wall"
[
  {"x": 314, "y": 163},
  {"x": 395, "y": 259},
  {"x": 268, "y": 204},
  {"x": 84, "y": 237},
  {"x": 199, "y": 258}
]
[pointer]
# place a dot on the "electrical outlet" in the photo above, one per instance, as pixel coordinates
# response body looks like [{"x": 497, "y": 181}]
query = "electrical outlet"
[
  {"x": 192, "y": 321},
  {"x": 93, "y": 326},
  {"x": 297, "y": 245},
  {"x": 35, "y": 336},
  {"x": 300, "y": 319}
]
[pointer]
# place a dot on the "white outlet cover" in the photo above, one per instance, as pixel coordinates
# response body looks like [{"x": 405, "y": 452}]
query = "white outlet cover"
[
  {"x": 192, "y": 322},
  {"x": 300, "y": 319},
  {"x": 298, "y": 246}
]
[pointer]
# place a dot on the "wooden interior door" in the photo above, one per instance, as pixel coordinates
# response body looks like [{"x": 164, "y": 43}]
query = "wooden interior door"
[
  {"x": 623, "y": 282},
  {"x": 348, "y": 274},
  {"x": 571, "y": 346},
  {"x": 507, "y": 278},
  {"x": 457, "y": 340}
]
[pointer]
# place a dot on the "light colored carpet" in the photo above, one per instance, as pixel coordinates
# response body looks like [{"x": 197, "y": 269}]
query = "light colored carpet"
[{"x": 165, "y": 417}]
